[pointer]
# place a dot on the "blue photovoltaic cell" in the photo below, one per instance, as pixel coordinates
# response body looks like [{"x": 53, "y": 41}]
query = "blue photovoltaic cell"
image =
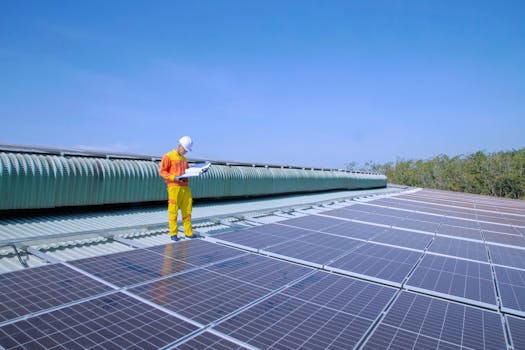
[
  {"x": 429, "y": 227},
  {"x": 511, "y": 284},
  {"x": 346, "y": 213},
  {"x": 455, "y": 277},
  {"x": 114, "y": 321},
  {"x": 355, "y": 230},
  {"x": 312, "y": 222},
  {"x": 39, "y": 288},
  {"x": 261, "y": 271},
  {"x": 436, "y": 219},
  {"x": 284, "y": 322},
  {"x": 460, "y": 223},
  {"x": 507, "y": 256},
  {"x": 343, "y": 293},
  {"x": 517, "y": 334},
  {"x": 281, "y": 231},
  {"x": 308, "y": 252},
  {"x": 460, "y": 232},
  {"x": 379, "y": 262},
  {"x": 208, "y": 340},
  {"x": 420, "y": 322},
  {"x": 262, "y": 236},
  {"x": 197, "y": 252},
  {"x": 381, "y": 210},
  {"x": 460, "y": 248},
  {"x": 201, "y": 295},
  {"x": 136, "y": 266},
  {"x": 381, "y": 219},
  {"x": 502, "y": 238},
  {"x": 403, "y": 238},
  {"x": 486, "y": 226}
]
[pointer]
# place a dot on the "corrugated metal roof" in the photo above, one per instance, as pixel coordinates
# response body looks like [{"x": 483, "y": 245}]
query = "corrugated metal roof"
[{"x": 80, "y": 235}]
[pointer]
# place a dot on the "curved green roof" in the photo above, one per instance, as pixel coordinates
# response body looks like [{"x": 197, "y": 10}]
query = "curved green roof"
[{"x": 46, "y": 180}]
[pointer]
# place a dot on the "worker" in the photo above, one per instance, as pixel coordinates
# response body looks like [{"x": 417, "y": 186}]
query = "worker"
[{"x": 174, "y": 164}]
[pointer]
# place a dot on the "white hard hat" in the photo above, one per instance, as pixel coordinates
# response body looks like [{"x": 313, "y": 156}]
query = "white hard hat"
[{"x": 186, "y": 142}]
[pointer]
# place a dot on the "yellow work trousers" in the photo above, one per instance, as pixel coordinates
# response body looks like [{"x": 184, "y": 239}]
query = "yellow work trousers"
[{"x": 180, "y": 197}]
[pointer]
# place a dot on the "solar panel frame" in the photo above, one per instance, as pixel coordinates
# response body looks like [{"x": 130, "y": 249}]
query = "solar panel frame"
[
  {"x": 111, "y": 321},
  {"x": 461, "y": 248},
  {"x": 355, "y": 230},
  {"x": 423, "y": 226},
  {"x": 44, "y": 287},
  {"x": 203, "y": 295},
  {"x": 375, "y": 262},
  {"x": 261, "y": 271},
  {"x": 343, "y": 293},
  {"x": 506, "y": 239},
  {"x": 516, "y": 326},
  {"x": 424, "y": 321},
  {"x": 132, "y": 267},
  {"x": 313, "y": 250},
  {"x": 511, "y": 286},
  {"x": 197, "y": 252},
  {"x": 457, "y": 279},
  {"x": 209, "y": 340},
  {"x": 286, "y": 322},
  {"x": 507, "y": 256},
  {"x": 403, "y": 239},
  {"x": 312, "y": 222},
  {"x": 460, "y": 232}
]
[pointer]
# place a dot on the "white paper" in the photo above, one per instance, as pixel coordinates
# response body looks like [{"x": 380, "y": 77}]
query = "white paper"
[{"x": 195, "y": 169}]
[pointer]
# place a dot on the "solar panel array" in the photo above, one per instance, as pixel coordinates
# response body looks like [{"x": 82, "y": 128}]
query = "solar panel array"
[{"x": 428, "y": 269}]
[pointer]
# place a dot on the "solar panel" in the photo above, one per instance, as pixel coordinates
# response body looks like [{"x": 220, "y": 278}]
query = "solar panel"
[
  {"x": 355, "y": 230},
  {"x": 511, "y": 285},
  {"x": 403, "y": 238},
  {"x": 455, "y": 278},
  {"x": 314, "y": 249},
  {"x": 459, "y": 232},
  {"x": 460, "y": 223},
  {"x": 425, "y": 226},
  {"x": 261, "y": 271},
  {"x": 312, "y": 222},
  {"x": 287, "y": 322},
  {"x": 507, "y": 256},
  {"x": 343, "y": 293},
  {"x": 196, "y": 252},
  {"x": 346, "y": 213},
  {"x": 323, "y": 311},
  {"x": 378, "y": 262},
  {"x": 262, "y": 236},
  {"x": 486, "y": 226},
  {"x": 32, "y": 290},
  {"x": 459, "y": 248},
  {"x": 421, "y": 322},
  {"x": 426, "y": 217},
  {"x": 202, "y": 295},
  {"x": 113, "y": 321},
  {"x": 380, "y": 219},
  {"x": 208, "y": 340},
  {"x": 517, "y": 335},
  {"x": 501, "y": 238},
  {"x": 136, "y": 266}
]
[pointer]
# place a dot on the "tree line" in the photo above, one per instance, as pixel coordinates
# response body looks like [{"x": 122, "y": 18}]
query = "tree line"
[{"x": 499, "y": 174}]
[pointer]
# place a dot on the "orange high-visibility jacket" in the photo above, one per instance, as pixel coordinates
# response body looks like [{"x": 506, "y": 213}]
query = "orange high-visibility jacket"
[{"x": 172, "y": 165}]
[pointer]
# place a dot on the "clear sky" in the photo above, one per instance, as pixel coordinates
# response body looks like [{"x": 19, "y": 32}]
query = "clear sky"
[{"x": 300, "y": 82}]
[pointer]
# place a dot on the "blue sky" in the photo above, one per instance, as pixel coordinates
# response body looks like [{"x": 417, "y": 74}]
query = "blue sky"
[{"x": 314, "y": 83}]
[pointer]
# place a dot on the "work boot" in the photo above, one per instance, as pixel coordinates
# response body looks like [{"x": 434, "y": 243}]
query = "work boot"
[{"x": 174, "y": 238}]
